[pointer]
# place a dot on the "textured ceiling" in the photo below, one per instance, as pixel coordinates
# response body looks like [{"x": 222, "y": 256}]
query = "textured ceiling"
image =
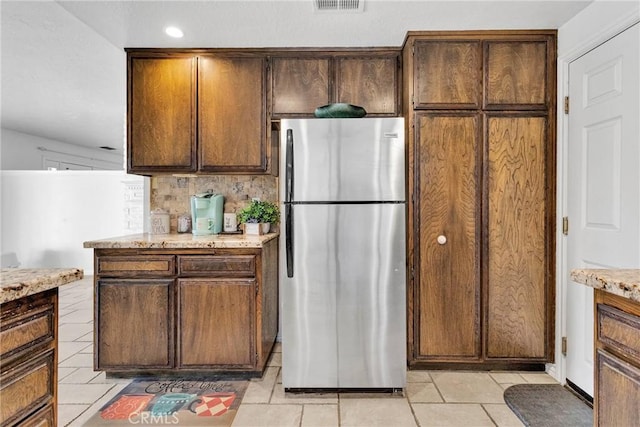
[{"x": 63, "y": 64}]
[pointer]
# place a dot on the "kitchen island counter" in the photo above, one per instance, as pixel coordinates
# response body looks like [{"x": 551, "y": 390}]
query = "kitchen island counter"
[
  {"x": 16, "y": 283},
  {"x": 29, "y": 343},
  {"x": 624, "y": 283},
  {"x": 181, "y": 241}
]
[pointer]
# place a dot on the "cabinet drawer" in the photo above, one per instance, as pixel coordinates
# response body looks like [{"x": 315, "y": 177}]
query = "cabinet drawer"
[
  {"x": 26, "y": 323},
  {"x": 217, "y": 265},
  {"x": 45, "y": 417},
  {"x": 138, "y": 265},
  {"x": 25, "y": 331},
  {"x": 619, "y": 330},
  {"x": 26, "y": 387}
]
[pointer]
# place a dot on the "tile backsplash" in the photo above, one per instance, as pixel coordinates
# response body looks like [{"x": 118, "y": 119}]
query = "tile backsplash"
[{"x": 173, "y": 193}]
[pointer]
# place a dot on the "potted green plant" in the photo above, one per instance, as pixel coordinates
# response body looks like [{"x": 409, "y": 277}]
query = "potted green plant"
[{"x": 258, "y": 217}]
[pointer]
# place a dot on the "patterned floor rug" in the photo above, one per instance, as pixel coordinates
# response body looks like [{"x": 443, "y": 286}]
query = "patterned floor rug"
[
  {"x": 547, "y": 405},
  {"x": 173, "y": 402}
]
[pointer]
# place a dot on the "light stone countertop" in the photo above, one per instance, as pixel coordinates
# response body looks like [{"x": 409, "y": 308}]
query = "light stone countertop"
[
  {"x": 181, "y": 241},
  {"x": 625, "y": 283},
  {"x": 16, "y": 283}
]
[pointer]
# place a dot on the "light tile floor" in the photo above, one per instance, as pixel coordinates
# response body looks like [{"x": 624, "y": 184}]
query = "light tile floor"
[{"x": 432, "y": 398}]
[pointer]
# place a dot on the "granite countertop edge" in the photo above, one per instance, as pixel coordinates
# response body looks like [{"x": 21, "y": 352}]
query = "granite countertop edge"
[
  {"x": 621, "y": 282},
  {"x": 181, "y": 241},
  {"x": 16, "y": 283}
]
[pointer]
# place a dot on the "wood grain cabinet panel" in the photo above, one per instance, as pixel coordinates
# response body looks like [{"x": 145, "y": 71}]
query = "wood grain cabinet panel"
[
  {"x": 28, "y": 329},
  {"x": 217, "y": 265},
  {"x": 299, "y": 85},
  {"x": 45, "y": 417},
  {"x": 136, "y": 266},
  {"x": 161, "y": 125},
  {"x": 516, "y": 209},
  {"x": 447, "y": 74},
  {"x": 516, "y": 75},
  {"x": 370, "y": 82},
  {"x": 231, "y": 114},
  {"x": 216, "y": 323},
  {"x": 27, "y": 387},
  {"x": 617, "y": 360},
  {"x": 618, "y": 330},
  {"x": 448, "y": 152},
  {"x": 618, "y": 391},
  {"x": 134, "y": 324},
  {"x": 481, "y": 163},
  {"x": 28, "y": 360}
]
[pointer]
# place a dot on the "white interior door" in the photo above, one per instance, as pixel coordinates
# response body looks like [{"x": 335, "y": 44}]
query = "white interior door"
[{"x": 603, "y": 182}]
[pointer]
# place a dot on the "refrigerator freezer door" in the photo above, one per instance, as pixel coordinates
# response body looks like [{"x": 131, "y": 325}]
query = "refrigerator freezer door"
[
  {"x": 346, "y": 159},
  {"x": 344, "y": 311}
]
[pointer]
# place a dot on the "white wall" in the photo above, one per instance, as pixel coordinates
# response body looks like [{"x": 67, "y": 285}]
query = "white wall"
[
  {"x": 19, "y": 151},
  {"x": 593, "y": 26},
  {"x": 47, "y": 215},
  {"x": 587, "y": 28}
]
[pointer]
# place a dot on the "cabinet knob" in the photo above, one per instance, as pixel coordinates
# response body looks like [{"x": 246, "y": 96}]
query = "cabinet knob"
[{"x": 442, "y": 239}]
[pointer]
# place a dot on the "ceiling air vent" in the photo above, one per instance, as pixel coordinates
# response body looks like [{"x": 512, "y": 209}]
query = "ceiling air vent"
[{"x": 338, "y": 5}]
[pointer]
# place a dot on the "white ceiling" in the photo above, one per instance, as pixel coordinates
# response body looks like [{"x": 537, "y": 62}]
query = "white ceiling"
[{"x": 64, "y": 68}]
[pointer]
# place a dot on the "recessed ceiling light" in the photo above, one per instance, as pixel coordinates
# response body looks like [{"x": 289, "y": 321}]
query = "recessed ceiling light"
[{"x": 174, "y": 32}]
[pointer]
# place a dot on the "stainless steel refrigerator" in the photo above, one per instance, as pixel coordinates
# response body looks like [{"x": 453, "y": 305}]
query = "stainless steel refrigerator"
[{"x": 343, "y": 260}]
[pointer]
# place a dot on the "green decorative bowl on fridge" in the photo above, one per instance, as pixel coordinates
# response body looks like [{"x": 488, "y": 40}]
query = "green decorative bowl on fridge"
[{"x": 339, "y": 111}]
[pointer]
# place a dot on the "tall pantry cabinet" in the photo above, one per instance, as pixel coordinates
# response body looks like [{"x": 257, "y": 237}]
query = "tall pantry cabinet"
[{"x": 480, "y": 110}]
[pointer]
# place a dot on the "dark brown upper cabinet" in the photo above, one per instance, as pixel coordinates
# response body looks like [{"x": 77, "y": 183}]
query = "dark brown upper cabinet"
[
  {"x": 516, "y": 75},
  {"x": 196, "y": 112},
  {"x": 302, "y": 83},
  {"x": 161, "y": 121},
  {"x": 231, "y": 114},
  {"x": 299, "y": 85},
  {"x": 447, "y": 74},
  {"x": 475, "y": 74}
]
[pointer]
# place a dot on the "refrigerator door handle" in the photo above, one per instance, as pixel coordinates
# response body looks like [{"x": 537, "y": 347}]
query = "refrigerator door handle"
[
  {"x": 288, "y": 191},
  {"x": 288, "y": 212}
]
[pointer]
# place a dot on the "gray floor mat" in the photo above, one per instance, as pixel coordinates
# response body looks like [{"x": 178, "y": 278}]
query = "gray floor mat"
[{"x": 542, "y": 405}]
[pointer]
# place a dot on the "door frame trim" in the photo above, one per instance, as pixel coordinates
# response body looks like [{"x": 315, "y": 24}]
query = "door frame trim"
[{"x": 558, "y": 369}]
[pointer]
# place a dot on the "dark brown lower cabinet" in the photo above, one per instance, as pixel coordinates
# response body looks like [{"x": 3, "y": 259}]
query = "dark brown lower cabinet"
[
  {"x": 617, "y": 360},
  {"x": 135, "y": 323},
  {"x": 28, "y": 360},
  {"x": 223, "y": 310},
  {"x": 205, "y": 309}
]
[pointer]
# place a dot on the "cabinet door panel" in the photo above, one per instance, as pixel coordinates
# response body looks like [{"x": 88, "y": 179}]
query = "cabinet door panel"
[
  {"x": 27, "y": 386},
  {"x": 216, "y": 324},
  {"x": 449, "y": 303},
  {"x": 135, "y": 324},
  {"x": 516, "y": 269},
  {"x": 161, "y": 113},
  {"x": 370, "y": 83},
  {"x": 618, "y": 392},
  {"x": 300, "y": 85},
  {"x": 231, "y": 114},
  {"x": 447, "y": 74},
  {"x": 516, "y": 75}
]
